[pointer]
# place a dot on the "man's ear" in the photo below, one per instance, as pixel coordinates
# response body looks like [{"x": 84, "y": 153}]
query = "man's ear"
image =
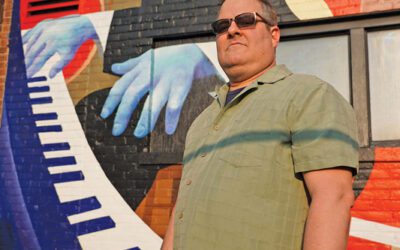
[{"x": 276, "y": 35}]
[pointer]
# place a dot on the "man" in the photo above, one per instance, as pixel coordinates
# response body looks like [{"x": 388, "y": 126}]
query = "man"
[{"x": 269, "y": 167}]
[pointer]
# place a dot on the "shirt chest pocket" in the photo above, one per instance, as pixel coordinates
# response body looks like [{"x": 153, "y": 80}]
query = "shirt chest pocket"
[{"x": 238, "y": 154}]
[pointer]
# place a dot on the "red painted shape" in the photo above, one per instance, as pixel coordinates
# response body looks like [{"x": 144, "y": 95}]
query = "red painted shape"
[
  {"x": 83, "y": 7},
  {"x": 344, "y": 7},
  {"x": 380, "y": 199},
  {"x": 361, "y": 244}
]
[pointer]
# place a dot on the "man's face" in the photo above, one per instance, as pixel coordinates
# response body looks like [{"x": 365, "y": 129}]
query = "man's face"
[{"x": 245, "y": 52}]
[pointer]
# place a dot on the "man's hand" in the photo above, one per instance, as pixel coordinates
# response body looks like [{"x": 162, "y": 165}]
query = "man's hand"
[
  {"x": 328, "y": 219},
  {"x": 166, "y": 74},
  {"x": 45, "y": 39}
]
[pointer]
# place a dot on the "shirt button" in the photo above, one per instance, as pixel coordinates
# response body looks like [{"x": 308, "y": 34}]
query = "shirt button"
[
  {"x": 216, "y": 127},
  {"x": 188, "y": 182},
  {"x": 203, "y": 154},
  {"x": 180, "y": 216}
]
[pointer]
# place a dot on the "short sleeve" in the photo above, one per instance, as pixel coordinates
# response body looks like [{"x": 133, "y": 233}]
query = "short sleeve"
[{"x": 323, "y": 129}]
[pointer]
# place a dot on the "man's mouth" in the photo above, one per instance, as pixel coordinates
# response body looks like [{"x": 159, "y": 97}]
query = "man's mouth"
[{"x": 235, "y": 43}]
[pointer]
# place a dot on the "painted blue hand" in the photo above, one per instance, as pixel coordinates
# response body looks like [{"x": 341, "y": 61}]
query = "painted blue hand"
[
  {"x": 63, "y": 36},
  {"x": 166, "y": 74}
]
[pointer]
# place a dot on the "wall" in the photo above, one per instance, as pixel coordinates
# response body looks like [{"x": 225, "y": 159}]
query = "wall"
[{"x": 67, "y": 180}]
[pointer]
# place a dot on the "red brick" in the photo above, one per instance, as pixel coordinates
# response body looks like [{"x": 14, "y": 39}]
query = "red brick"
[
  {"x": 378, "y": 216},
  {"x": 387, "y": 154}
]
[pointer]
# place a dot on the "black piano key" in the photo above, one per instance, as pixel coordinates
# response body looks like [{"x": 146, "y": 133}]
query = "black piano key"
[
  {"x": 45, "y": 116},
  {"x": 70, "y": 160},
  {"x": 56, "y": 146},
  {"x": 53, "y": 128},
  {"x": 95, "y": 225},
  {"x": 39, "y": 89},
  {"x": 37, "y": 79},
  {"x": 80, "y": 206},
  {"x": 41, "y": 100},
  {"x": 68, "y": 177}
]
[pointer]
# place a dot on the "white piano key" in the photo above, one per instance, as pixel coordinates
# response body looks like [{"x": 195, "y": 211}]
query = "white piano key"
[
  {"x": 74, "y": 190},
  {"x": 64, "y": 169},
  {"x": 54, "y": 95},
  {"x": 73, "y": 142},
  {"x": 47, "y": 123},
  {"x": 38, "y": 84},
  {"x": 57, "y": 154},
  {"x": 51, "y": 108},
  {"x": 80, "y": 154},
  {"x": 47, "y": 137},
  {"x": 90, "y": 215}
]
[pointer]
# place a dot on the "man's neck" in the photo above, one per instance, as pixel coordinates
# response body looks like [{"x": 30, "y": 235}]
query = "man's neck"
[{"x": 245, "y": 83}]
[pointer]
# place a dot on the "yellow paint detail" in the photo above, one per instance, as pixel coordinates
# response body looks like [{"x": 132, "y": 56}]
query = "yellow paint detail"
[
  {"x": 309, "y": 9},
  {"x": 121, "y": 4},
  {"x": 90, "y": 79}
]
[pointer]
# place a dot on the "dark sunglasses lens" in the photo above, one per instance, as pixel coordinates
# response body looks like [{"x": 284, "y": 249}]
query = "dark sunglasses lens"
[
  {"x": 245, "y": 20},
  {"x": 220, "y": 26}
]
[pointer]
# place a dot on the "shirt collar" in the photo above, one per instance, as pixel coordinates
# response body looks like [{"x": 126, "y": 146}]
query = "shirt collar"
[{"x": 273, "y": 75}]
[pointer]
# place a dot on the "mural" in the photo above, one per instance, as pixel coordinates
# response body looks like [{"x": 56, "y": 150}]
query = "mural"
[{"x": 89, "y": 105}]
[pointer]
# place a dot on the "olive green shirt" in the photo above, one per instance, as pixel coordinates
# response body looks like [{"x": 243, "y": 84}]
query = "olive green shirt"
[{"x": 241, "y": 185}]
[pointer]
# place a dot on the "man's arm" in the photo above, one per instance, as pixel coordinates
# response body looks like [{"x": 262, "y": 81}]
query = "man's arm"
[
  {"x": 328, "y": 219},
  {"x": 168, "y": 243}
]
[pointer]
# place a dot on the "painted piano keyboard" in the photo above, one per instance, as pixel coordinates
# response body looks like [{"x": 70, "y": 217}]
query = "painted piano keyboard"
[
  {"x": 78, "y": 177},
  {"x": 70, "y": 201}
]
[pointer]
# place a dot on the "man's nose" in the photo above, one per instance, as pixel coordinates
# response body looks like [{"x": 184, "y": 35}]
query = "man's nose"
[{"x": 233, "y": 29}]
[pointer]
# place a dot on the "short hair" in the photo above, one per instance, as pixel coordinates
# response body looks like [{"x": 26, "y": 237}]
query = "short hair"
[{"x": 269, "y": 13}]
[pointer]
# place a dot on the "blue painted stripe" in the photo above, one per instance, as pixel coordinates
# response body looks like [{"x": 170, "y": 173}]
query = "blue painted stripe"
[
  {"x": 95, "y": 225},
  {"x": 80, "y": 206},
  {"x": 62, "y": 161},
  {"x": 25, "y": 128},
  {"x": 56, "y": 146},
  {"x": 37, "y": 79},
  {"x": 17, "y": 97},
  {"x": 41, "y": 100},
  {"x": 54, "y": 128},
  {"x": 19, "y": 113},
  {"x": 134, "y": 248},
  {"x": 39, "y": 89},
  {"x": 31, "y": 119},
  {"x": 68, "y": 177}
]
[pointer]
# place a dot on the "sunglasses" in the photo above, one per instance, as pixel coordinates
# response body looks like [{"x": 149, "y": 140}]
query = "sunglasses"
[{"x": 244, "y": 20}]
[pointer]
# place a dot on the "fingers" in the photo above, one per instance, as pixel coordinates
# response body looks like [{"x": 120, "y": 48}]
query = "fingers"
[
  {"x": 30, "y": 35},
  {"x": 128, "y": 104},
  {"x": 176, "y": 100},
  {"x": 27, "y": 36},
  {"x": 35, "y": 62},
  {"x": 118, "y": 91},
  {"x": 152, "y": 108},
  {"x": 124, "y": 67}
]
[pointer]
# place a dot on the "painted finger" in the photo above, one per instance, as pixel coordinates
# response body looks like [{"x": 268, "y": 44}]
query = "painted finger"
[
  {"x": 176, "y": 100},
  {"x": 35, "y": 63},
  {"x": 122, "y": 68},
  {"x": 151, "y": 110},
  {"x": 128, "y": 104},
  {"x": 118, "y": 91}
]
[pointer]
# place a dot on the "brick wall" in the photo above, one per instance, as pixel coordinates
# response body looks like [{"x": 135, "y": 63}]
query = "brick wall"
[
  {"x": 148, "y": 178},
  {"x": 5, "y": 19}
]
